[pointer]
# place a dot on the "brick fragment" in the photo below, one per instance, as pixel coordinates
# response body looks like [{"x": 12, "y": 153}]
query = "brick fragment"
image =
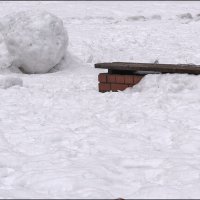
[
  {"x": 115, "y": 87},
  {"x": 129, "y": 79},
  {"x": 104, "y": 87},
  {"x": 137, "y": 79},
  {"x": 102, "y": 77},
  {"x": 120, "y": 78},
  {"x": 111, "y": 78}
]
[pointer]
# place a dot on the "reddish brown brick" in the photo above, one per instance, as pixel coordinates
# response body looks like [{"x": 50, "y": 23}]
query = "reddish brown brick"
[
  {"x": 137, "y": 79},
  {"x": 104, "y": 87},
  {"x": 129, "y": 79},
  {"x": 120, "y": 78},
  {"x": 102, "y": 77},
  {"x": 116, "y": 87},
  {"x": 111, "y": 78}
]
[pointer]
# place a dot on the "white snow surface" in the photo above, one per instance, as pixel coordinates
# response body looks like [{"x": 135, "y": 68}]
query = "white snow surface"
[
  {"x": 61, "y": 138},
  {"x": 9, "y": 81},
  {"x": 5, "y": 57},
  {"x": 36, "y": 40}
]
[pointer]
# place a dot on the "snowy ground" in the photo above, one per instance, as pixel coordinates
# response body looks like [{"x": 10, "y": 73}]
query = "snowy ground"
[{"x": 61, "y": 138}]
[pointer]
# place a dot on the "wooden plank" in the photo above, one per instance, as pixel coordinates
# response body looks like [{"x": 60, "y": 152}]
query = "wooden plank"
[{"x": 163, "y": 68}]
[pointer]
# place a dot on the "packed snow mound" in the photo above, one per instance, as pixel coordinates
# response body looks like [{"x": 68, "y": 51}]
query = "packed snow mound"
[
  {"x": 36, "y": 40},
  {"x": 9, "y": 81}
]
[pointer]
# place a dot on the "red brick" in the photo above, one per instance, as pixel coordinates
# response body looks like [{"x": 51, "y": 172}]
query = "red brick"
[
  {"x": 102, "y": 77},
  {"x": 119, "y": 78},
  {"x": 111, "y": 78},
  {"x": 137, "y": 79},
  {"x": 129, "y": 79},
  {"x": 104, "y": 87},
  {"x": 116, "y": 87}
]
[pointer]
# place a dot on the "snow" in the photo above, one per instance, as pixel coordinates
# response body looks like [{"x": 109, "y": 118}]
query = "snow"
[
  {"x": 9, "y": 81},
  {"x": 37, "y": 41},
  {"x": 5, "y": 57},
  {"x": 61, "y": 138}
]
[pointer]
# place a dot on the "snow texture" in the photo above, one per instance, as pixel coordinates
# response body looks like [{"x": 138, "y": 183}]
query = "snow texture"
[
  {"x": 61, "y": 138},
  {"x": 37, "y": 41},
  {"x": 5, "y": 57},
  {"x": 9, "y": 81}
]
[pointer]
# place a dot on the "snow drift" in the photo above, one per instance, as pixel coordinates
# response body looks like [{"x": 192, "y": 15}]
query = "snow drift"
[{"x": 36, "y": 40}]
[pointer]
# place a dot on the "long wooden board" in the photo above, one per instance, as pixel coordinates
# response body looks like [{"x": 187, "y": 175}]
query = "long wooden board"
[{"x": 151, "y": 67}]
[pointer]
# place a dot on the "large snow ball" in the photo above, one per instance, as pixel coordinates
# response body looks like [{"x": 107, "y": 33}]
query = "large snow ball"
[{"x": 37, "y": 40}]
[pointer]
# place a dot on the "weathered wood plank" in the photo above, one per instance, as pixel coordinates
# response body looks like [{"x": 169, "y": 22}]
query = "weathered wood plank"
[{"x": 151, "y": 67}]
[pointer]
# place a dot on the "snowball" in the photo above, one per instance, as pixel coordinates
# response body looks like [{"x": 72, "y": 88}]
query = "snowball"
[
  {"x": 6, "y": 82},
  {"x": 185, "y": 16},
  {"x": 36, "y": 40}
]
